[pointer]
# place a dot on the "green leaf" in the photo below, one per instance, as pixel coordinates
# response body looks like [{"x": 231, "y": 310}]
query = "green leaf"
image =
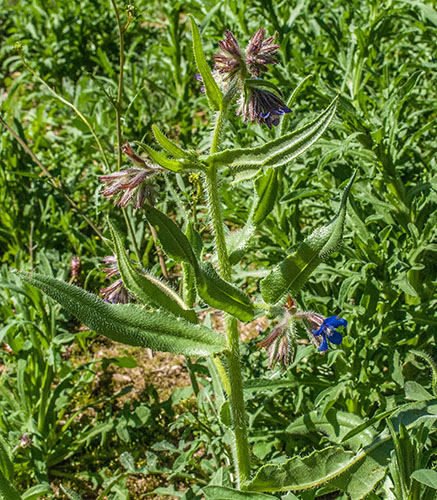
[
  {"x": 302, "y": 473},
  {"x": 266, "y": 187},
  {"x": 164, "y": 142},
  {"x": 293, "y": 272},
  {"x": 173, "y": 240},
  {"x": 416, "y": 392},
  {"x": 7, "y": 491},
  {"x": 224, "y": 493},
  {"x": 72, "y": 495},
  {"x": 427, "y": 477},
  {"x": 6, "y": 465},
  {"x": 280, "y": 151},
  {"x": 147, "y": 288},
  {"x": 168, "y": 163},
  {"x": 129, "y": 323},
  {"x": 222, "y": 295},
  {"x": 214, "y": 290},
  {"x": 213, "y": 93},
  {"x": 356, "y": 474},
  {"x": 237, "y": 241},
  {"x": 334, "y": 425},
  {"x": 38, "y": 491}
]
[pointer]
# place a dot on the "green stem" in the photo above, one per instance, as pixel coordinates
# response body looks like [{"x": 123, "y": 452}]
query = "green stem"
[
  {"x": 235, "y": 384},
  {"x": 132, "y": 235},
  {"x": 118, "y": 104}
]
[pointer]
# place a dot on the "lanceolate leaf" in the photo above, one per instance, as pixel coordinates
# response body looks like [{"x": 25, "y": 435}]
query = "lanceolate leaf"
[
  {"x": 164, "y": 142},
  {"x": 7, "y": 491},
  {"x": 215, "y": 291},
  {"x": 278, "y": 152},
  {"x": 220, "y": 294},
  {"x": 266, "y": 187},
  {"x": 294, "y": 271},
  {"x": 131, "y": 324},
  {"x": 212, "y": 90},
  {"x": 302, "y": 473},
  {"x": 172, "y": 239},
  {"x": 168, "y": 163},
  {"x": 149, "y": 289}
]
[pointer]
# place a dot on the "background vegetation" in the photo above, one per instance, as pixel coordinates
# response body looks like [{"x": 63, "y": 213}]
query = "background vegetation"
[{"x": 66, "y": 413}]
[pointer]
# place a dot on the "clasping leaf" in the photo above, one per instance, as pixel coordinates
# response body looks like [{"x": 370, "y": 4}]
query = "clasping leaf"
[
  {"x": 293, "y": 272},
  {"x": 280, "y": 151},
  {"x": 213, "y": 289}
]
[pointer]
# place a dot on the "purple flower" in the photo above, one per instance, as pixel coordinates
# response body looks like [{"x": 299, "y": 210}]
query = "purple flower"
[
  {"x": 230, "y": 60},
  {"x": 130, "y": 184},
  {"x": 260, "y": 52},
  {"x": 277, "y": 345},
  {"x": 262, "y": 106},
  {"x": 116, "y": 292},
  {"x": 199, "y": 78}
]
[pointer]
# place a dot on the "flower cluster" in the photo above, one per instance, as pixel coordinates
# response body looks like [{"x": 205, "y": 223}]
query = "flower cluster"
[
  {"x": 320, "y": 330},
  {"x": 232, "y": 61},
  {"x": 262, "y": 106},
  {"x": 116, "y": 292},
  {"x": 233, "y": 64},
  {"x": 131, "y": 184}
]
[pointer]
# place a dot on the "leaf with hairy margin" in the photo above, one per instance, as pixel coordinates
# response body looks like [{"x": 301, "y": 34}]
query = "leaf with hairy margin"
[
  {"x": 220, "y": 294},
  {"x": 167, "y": 144},
  {"x": 129, "y": 323},
  {"x": 213, "y": 289},
  {"x": 277, "y": 152},
  {"x": 212, "y": 91},
  {"x": 7, "y": 491},
  {"x": 147, "y": 288},
  {"x": 293, "y": 272},
  {"x": 224, "y": 493},
  {"x": 356, "y": 474}
]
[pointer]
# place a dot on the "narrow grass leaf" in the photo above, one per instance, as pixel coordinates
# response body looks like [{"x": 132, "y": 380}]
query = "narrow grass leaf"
[
  {"x": 147, "y": 288},
  {"x": 294, "y": 271},
  {"x": 130, "y": 324},
  {"x": 277, "y": 152},
  {"x": 213, "y": 93}
]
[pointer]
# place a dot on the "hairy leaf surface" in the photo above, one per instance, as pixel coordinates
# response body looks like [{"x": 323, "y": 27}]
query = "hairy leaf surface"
[
  {"x": 131, "y": 324},
  {"x": 278, "y": 152},
  {"x": 147, "y": 288},
  {"x": 294, "y": 271}
]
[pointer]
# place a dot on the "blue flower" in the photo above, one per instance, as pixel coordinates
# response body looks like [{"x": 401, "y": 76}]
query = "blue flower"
[{"x": 328, "y": 332}]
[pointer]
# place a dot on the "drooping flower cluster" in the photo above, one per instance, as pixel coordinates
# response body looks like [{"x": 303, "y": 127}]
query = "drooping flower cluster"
[
  {"x": 116, "y": 292},
  {"x": 320, "y": 330},
  {"x": 262, "y": 106},
  {"x": 131, "y": 184}
]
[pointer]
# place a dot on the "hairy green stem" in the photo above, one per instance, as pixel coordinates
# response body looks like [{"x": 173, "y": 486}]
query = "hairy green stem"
[{"x": 235, "y": 382}]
